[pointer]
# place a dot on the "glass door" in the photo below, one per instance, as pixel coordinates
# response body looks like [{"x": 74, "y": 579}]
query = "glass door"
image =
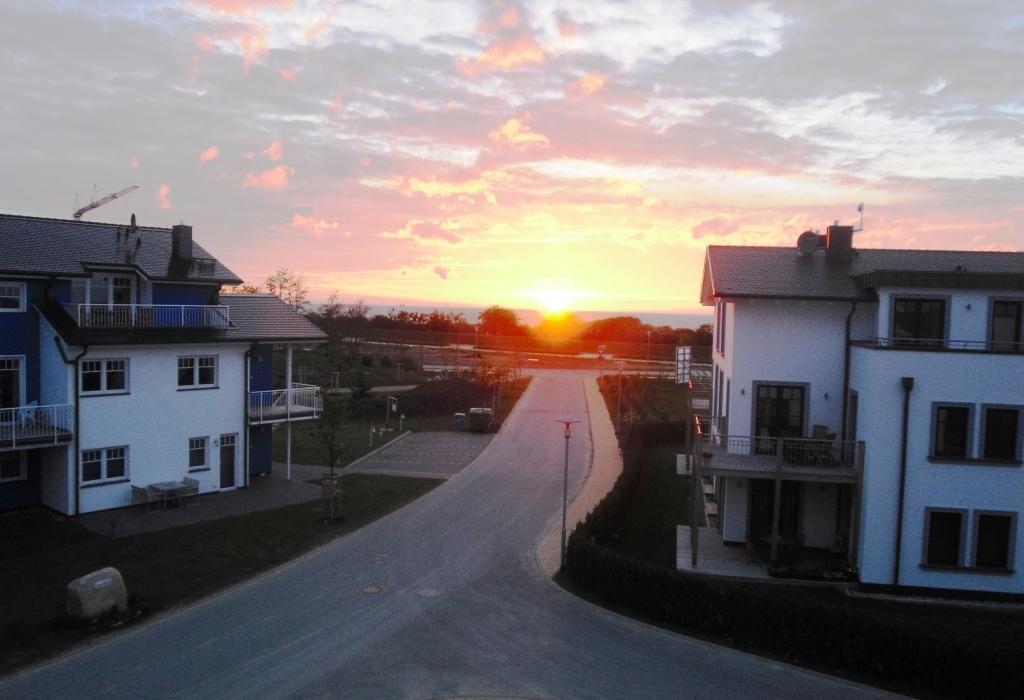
[
  {"x": 779, "y": 414},
  {"x": 227, "y": 460},
  {"x": 10, "y": 386}
]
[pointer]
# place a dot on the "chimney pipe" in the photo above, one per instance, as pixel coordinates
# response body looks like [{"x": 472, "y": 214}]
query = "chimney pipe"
[
  {"x": 181, "y": 242},
  {"x": 839, "y": 244}
]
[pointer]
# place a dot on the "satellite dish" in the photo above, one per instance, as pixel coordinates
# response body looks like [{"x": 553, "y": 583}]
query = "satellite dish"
[{"x": 808, "y": 242}]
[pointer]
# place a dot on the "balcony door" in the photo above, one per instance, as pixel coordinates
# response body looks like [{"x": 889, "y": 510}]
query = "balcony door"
[
  {"x": 11, "y": 389},
  {"x": 779, "y": 413}
]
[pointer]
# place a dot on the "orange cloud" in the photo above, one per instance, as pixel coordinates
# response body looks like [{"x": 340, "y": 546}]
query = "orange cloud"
[
  {"x": 275, "y": 150},
  {"x": 312, "y": 224},
  {"x": 163, "y": 197},
  {"x": 241, "y": 7},
  {"x": 509, "y": 18},
  {"x": 288, "y": 73},
  {"x": 516, "y": 133},
  {"x": 273, "y": 179},
  {"x": 504, "y": 55},
  {"x": 209, "y": 154},
  {"x": 590, "y": 84},
  {"x": 317, "y": 27}
]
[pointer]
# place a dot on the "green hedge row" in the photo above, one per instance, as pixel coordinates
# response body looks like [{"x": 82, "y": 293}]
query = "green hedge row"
[{"x": 757, "y": 616}]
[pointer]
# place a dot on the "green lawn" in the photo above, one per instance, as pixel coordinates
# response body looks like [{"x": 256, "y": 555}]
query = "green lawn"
[
  {"x": 644, "y": 399},
  {"x": 41, "y": 552}
]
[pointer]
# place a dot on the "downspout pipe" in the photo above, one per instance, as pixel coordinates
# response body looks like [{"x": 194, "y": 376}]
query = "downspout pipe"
[
  {"x": 846, "y": 375},
  {"x": 245, "y": 414},
  {"x": 73, "y": 361},
  {"x": 908, "y": 386}
]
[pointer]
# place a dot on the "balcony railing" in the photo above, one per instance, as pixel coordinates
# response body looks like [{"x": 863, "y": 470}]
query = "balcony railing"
[
  {"x": 25, "y": 427},
  {"x": 996, "y": 346},
  {"x": 301, "y": 402},
  {"x": 767, "y": 454},
  {"x": 150, "y": 316}
]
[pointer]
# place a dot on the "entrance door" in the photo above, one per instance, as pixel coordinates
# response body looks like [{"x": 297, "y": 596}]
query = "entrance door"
[
  {"x": 779, "y": 413},
  {"x": 227, "y": 460},
  {"x": 762, "y": 501},
  {"x": 10, "y": 385}
]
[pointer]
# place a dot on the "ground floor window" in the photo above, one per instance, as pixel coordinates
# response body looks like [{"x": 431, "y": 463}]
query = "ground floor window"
[
  {"x": 197, "y": 452},
  {"x": 13, "y": 466},
  {"x": 951, "y": 431},
  {"x": 104, "y": 464},
  {"x": 993, "y": 540},
  {"x": 1001, "y": 433},
  {"x": 945, "y": 534}
]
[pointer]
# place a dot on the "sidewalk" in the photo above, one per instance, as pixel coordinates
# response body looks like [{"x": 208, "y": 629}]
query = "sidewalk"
[{"x": 605, "y": 467}]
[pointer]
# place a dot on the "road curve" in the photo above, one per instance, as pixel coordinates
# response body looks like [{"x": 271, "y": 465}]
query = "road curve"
[{"x": 442, "y": 598}]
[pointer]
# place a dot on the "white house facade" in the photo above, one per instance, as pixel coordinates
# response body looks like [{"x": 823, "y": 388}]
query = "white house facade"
[
  {"x": 126, "y": 372},
  {"x": 871, "y": 402}
]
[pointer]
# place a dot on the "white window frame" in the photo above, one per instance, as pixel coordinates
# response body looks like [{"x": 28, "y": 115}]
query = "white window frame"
[
  {"x": 23, "y": 464},
  {"x": 104, "y": 369},
  {"x": 20, "y": 286},
  {"x": 205, "y": 466},
  {"x": 195, "y": 372},
  {"x": 104, "y": 458}
]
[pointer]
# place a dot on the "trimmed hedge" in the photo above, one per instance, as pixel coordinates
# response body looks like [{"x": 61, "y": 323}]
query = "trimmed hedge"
[{"x": 758, "y": 616}]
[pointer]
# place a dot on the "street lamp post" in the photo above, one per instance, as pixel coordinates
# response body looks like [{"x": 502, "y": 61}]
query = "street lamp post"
[
  {"x": 648, "y": 347},
  {"x": 567, "y": 423}
]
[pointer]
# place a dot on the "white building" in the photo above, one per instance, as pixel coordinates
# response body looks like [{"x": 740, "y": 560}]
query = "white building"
[
  {"x": 125, "y": 373},
  {"x": 871, "y": 402}
]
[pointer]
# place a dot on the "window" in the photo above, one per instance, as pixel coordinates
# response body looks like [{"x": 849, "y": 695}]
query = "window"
[
  {"x": 12, "y": 297},
  {"x": 945, "y": 530},
  {"x": 1001, "y": 433},
  {"x": 993, "y": 540},
  {"x": 919, "y": 322},
  {"x": 1006, "y": 325},
  {"x": 197, "y": 453},
  {"x": 13, "y": 466},
  {"x": 197, "y": 372},
  {"x": 104, "y": 464},
  {"x": 951, "y": 431},
  {"x": 104, "y": 376}
]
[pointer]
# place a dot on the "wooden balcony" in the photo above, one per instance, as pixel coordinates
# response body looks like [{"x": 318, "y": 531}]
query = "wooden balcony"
[
  {"x": 32, "y": 426},
  {"x": 300, "y": 402}
]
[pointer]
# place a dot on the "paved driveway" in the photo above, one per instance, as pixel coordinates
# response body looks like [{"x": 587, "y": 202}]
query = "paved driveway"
[
  {"x": 441, "y": 598},
  {"x": 437, "y": 455}
]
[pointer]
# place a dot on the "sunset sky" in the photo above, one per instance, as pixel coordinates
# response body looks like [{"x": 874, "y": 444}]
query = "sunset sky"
[{"x": 518, "y": 153}]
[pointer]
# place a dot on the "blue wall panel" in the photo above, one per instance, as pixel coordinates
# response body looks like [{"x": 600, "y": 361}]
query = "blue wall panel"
[
  {"x": 19, "y": 335},
  {"x": 261, "y": 368},
  {"x": 183, "y": 294},
  {"x": 261, "y": 443}
]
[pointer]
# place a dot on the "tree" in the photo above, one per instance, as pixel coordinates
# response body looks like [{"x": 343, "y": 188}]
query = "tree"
[
  {"x": 244, "y": 288},
  {"x": 497, "y": 320},
  {"x": 290, "y": 286},
  {"x": 329, "y": 429},
  {"x": 705, "y": 335}
]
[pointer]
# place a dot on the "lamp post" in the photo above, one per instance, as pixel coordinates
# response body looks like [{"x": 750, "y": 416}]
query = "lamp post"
[
  {"x": 648, "y": 347},
  {"x": 618, "y": 410},
  {"x": 392, "y": 406},
  {"x": 567, "y": 423}
]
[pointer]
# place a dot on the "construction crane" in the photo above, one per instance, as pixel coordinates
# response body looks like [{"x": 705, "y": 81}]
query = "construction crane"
[{"x": 100, "y": 202}]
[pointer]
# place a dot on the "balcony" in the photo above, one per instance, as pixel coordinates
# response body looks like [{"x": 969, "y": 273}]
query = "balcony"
[
  {"x": 943, "y": 344},
  {"x": 160, "y": 316},
  {"x": 806, "y": 459},
  {"x": 28, "y": 427},
  {"x": 301, "y": 402}
]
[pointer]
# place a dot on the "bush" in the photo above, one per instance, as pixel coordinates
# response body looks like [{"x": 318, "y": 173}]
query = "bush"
[
  {"x": 367, "y": 360},
  {"x": 385, "y": 361}
]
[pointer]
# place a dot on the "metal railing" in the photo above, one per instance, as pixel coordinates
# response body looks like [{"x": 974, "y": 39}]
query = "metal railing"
[
  {"x": 23, "y": 427},
  {"x": 743, "y": 450},
  {"x": 1002, "y": 346},
  {"x": 151, "y": 316},
  {"x": 302, "y": 401}
]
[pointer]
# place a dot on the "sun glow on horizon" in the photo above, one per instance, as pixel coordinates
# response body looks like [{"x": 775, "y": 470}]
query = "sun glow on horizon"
[{"x": 556, "y": 297}]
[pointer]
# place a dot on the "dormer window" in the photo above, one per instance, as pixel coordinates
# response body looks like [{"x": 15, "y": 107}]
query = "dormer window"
[
  {"x": 12, "y": 297},
  {"x": 919, "y": 322}
]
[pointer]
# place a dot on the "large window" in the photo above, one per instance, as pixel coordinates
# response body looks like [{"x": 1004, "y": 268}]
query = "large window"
[
  {"x": 104, "y": 464},
  {"x": 951, "y": 431},
  {"x": 197, "y": 372},
  {"x": 919, "y": 322},
  {"x": 1001, "y": 439},
  {"x": 12, "y": 297},
  {"x": 12, "y": 466},
  {"x": 993, "y": 540},
  {"x": 197, "y": 453},
  {"x": 945, "y": 535},
  {"x": 104, "y": 376},
  {"x": 1006, "y": 326}
]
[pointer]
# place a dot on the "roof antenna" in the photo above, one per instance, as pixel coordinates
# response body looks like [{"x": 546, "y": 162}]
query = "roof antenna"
[{"x": 860, "y": 226}]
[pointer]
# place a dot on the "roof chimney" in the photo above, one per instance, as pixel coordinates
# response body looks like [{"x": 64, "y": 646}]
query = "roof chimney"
[
  {"x": 839, "y": 244},
  {"x": 181, "y": 242}
]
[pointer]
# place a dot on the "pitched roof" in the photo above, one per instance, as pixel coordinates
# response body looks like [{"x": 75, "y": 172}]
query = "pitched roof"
[
  {"x": 265, "y": 317},
  {"x": 32, "y": 245},
  {"x": 781, "y": 273}
]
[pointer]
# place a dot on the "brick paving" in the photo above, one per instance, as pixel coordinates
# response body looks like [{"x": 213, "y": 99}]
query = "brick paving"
[{"x": 436, "y": 455}]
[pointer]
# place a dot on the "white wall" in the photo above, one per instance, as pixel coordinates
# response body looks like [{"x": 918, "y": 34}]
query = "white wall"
[
  {"x": 964, "y": 323},
  {"x": 976, "y": 378},
  {"x": 155, "y": 419}
]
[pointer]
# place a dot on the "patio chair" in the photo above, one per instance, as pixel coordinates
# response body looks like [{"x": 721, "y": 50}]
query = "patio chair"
[{"x": 142, "y": 494}]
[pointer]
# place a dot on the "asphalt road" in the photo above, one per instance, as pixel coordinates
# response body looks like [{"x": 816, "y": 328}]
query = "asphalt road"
[{"x": 443, "y": 598}]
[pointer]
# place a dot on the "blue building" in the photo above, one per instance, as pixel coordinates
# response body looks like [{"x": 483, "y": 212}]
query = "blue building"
[{"x": 125, "y": 368}]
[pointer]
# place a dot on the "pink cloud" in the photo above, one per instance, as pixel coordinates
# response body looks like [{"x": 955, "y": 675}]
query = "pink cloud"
[
  {"x": 289, "y": 74},
  {"x": 273, "y": 179},
  {"x": 275, "y": 150},
  {"x": 442, "y": 271},
  {"x": 517, "y": 133},
  {"x": 509, "y": 18},
  {"x": 312, "y": 225},
  {"x": 135, "y": 161},
  {"x": 504, "y": 55},
  {"x": 163, "y": 197},
  {"x": 241, "y": 7},
  {"x": 589, "y": 84},
  {"x": 209, "y": 154},
  {"x": 320, "y": 25}
]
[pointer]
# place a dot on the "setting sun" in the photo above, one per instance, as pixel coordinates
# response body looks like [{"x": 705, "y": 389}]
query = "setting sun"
[{"x": 555, "y": 297}]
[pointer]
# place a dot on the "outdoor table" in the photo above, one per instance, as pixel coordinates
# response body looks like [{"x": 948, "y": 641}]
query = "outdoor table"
[{"x": 168, "y": 490}]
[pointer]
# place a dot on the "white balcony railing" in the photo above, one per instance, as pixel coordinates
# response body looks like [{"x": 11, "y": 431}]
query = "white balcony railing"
[
  {"x": 301, "y": 402},
  {"x": 150, "y": 316},
  {"x": 24, "y": 427},
  {"x": 997, "y": 346}
]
